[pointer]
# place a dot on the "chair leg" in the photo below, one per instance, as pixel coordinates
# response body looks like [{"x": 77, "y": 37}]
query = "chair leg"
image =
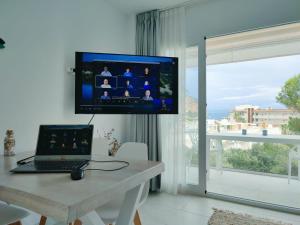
[
  {"x": 43, "y": 220},
  {"x": 137, "y": 219},
  {"x": 77, "y": 222},
  {"x": 16, "y": 223}
]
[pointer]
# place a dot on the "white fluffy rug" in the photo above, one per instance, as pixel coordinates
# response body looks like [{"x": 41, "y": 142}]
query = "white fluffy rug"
[{"x": 224, "y": 217}]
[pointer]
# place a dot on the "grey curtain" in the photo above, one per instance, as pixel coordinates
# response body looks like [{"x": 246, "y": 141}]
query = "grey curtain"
[
  {"x": 145, "y": 127},
  {"x": 147, "y": 25}
]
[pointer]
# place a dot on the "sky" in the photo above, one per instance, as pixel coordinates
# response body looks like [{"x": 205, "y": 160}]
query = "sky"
[{"x": 254, "y": 82}]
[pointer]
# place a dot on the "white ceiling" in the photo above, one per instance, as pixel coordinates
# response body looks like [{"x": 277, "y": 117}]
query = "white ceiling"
[{"x": 137, "y": 6}]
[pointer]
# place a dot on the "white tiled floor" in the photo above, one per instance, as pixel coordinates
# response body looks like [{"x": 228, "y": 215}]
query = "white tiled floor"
[
  {"x": 270, "y": 189},
  {"x": 165, "y": 209}
]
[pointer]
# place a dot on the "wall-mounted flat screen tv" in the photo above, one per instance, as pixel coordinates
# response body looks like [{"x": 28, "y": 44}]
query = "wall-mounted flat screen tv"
[{"x": 125, "y": 84}]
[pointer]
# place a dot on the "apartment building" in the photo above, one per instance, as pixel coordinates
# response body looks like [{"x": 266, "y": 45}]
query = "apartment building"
[{"x": 262, "y": 117}]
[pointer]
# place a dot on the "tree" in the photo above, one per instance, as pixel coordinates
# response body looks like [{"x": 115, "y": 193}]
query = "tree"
[
  {"x": 266, "y": 158},
  {"x": 290, "y": 93},
  {"x": 290, "y": 97},
  {"x": 294, "y": 125},
  {"x": 238, "y": 117},
  {"x": 285, "y": 129}
]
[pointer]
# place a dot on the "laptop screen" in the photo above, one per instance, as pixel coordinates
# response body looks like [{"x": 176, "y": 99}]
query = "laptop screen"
[{"x": 65, "y": 140}]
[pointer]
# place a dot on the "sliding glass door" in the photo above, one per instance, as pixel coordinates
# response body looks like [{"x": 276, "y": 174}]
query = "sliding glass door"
[{"x": 253, "y": 115}]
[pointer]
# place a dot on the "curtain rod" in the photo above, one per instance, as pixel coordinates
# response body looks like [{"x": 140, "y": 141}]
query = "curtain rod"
[{"x": 184, "y": 4}]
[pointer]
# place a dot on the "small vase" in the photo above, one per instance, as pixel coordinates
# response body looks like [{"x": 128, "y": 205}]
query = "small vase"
[{"x": 9, "y": 143}]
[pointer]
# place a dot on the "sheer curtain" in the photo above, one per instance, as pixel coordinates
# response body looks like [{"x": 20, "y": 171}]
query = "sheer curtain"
[
  {"x": 172, "y": 43},
  {"x": 163, "y": 33},
  {"x": 145, "y": 127}
]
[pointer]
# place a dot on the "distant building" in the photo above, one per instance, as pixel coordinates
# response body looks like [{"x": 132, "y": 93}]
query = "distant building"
[
  {"x": 276, "y": 117},
  {"x": 212, "y": 126},
  {"x": 262, "y": 117}
]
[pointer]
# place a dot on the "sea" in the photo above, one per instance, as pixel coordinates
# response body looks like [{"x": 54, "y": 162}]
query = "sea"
[{"x": 218, "y": 114}]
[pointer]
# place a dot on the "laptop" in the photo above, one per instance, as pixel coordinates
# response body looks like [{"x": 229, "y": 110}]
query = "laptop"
[{"x": 60, "y": 148}]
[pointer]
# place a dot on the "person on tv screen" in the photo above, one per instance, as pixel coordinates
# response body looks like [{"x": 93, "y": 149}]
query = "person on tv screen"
[
  {"x": 147, "y": 85},
  {"x": 126, "y": 94},
  {"x": 147, "y": 96},
  {"x": 105, "y": 84},
  {"x": 105, "y": 96},
  {"x": 164, "y": 107},
  {"x": 128, "y": 85},
  {"x": 105, "y": 72},
  {"x": 146, "y": 72},
  {"x": 127, "y": 73}
]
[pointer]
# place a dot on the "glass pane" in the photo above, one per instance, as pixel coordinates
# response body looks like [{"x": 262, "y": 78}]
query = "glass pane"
[
  {"x": 191, "y": 116},
  {"x": 253, "y": 123}
]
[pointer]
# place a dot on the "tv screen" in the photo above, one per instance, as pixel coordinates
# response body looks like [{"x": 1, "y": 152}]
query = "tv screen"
[{"x": 125, "y": 84}]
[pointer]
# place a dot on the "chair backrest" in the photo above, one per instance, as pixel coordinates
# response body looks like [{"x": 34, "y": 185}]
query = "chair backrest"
[
  {"x": 100, "y": 146},
  {"x": 137, "y": 151},
  {"x": 133, "y": 150},
  {"x": 11, "y": 214}
]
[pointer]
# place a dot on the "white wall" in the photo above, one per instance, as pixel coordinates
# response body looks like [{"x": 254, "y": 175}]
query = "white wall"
[
  {"x": 42, "y": 37},
  {"x": 219, "y": 17}
]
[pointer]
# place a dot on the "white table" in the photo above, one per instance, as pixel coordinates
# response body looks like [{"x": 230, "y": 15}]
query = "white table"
[
  {"x": 282, "y": 139},
  {"x": 65, "y": 200}
]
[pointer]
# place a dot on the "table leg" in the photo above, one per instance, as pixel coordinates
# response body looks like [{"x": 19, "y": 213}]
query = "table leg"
[
  {"x": 127, "y": 212},
  {"x": 16, "y": 223},
  {"x": 137, "y": 219},
  {"x": 91, "y": 218},
  {"x": 129, "y": 206},
  {"x": 43, "y": 220},
  {"x": 78, "y": 222}
]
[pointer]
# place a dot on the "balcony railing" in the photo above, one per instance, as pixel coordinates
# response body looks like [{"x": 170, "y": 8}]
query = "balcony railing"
[{"x": 218, "y": 142}]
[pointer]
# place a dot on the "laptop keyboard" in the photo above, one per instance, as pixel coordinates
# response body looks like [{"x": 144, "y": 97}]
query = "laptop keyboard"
[{"x": 59, "y": 165}]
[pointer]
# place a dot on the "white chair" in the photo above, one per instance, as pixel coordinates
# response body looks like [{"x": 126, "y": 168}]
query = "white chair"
[
  {"x": 109, "y": 212},
  {"x": 294, "y": 154},
  {"x": 11, "y": 215},
  {"x": 100, "y": 146}
]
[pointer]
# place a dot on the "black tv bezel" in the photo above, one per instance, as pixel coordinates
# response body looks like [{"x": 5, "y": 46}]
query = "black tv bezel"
[{"x": 78, "y": 62}]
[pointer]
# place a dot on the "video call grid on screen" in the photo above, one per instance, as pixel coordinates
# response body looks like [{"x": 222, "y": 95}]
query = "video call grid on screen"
[
  {"x": 65, "y": 140},
  {"x": 110, "y": 83},
  {"x": 136, "y": 86}
]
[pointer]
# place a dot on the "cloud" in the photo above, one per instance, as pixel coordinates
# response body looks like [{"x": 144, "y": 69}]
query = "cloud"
[
  {"x": 242, "y": 88},
  {"x": 239, "y": 97},
  {"x": 257, "y": 91}
]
